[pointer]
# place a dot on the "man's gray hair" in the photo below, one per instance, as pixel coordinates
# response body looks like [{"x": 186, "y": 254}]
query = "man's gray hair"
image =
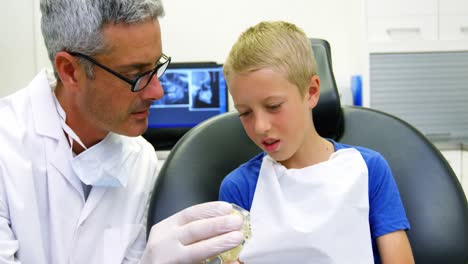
[{"x": 76, "y": 25}]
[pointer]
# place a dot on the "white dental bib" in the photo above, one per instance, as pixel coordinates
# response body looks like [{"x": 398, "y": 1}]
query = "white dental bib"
[{"x": 317, "y": 214}]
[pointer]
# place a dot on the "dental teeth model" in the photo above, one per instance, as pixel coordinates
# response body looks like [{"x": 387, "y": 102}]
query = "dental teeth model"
[{"x": 233, "y": 254}]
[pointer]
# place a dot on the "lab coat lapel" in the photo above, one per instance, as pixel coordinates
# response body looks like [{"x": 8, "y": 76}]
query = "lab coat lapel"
[
  {"x": 47, "y": 123},
  {"x": 61, "y": 165},
  {"x": 94, "y": 198},
  {"x": 34, "y": 213},
  {"x": 59, "y": 160}
]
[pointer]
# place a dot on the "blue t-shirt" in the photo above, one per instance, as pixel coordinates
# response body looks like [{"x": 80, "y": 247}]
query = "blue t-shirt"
[{"x": 386, "y": 212}]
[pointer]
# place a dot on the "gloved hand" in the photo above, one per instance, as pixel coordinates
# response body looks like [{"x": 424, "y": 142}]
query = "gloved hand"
[{"x": 194, "y": 234}]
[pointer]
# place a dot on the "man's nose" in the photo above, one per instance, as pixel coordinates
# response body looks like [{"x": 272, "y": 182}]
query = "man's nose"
[{"x": 154, "y": 91}]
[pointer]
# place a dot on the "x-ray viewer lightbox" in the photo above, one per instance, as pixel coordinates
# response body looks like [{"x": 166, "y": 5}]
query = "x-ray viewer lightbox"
[{"x": 193, "y": 92}]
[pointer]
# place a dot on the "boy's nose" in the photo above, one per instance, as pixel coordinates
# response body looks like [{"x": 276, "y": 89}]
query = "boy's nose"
[{"x": 262, "y": 124}]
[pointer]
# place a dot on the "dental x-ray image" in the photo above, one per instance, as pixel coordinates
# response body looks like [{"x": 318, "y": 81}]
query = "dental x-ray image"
[
  {"x": 204, "y": 89},
  {"x": 176, "y": 89}
]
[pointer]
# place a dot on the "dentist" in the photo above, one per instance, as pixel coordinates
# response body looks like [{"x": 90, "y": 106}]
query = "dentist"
[{"x": 75, "y": 174}]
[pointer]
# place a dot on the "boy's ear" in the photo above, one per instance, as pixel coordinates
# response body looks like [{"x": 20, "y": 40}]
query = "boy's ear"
[
  {"x": 67, "y": 68},
  {"x": 313, "y": 91}
]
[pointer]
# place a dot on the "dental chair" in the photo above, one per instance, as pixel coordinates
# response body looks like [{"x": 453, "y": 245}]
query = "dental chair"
[{"x": 433, "y": 198}]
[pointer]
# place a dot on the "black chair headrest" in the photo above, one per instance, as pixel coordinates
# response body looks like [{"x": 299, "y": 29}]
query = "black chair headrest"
[{"x": 328, "y": 117}]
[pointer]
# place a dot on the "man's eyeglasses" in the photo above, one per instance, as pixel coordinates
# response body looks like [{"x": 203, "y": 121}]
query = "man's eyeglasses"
[{"x": 142, "y": 80}]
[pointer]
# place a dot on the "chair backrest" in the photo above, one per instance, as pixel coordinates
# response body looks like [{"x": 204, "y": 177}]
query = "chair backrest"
[
  {"x": 433, "y": 198},
  {"x": 434, "y": 201},
  {"x": 328, "y": 117}
]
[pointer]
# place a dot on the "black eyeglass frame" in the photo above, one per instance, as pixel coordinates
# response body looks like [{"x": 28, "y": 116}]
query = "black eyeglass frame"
[{"x": 138, "y": 78}]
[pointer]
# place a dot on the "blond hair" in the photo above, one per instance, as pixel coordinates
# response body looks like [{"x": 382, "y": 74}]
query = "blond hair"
[{"x": 278, "y": 45}]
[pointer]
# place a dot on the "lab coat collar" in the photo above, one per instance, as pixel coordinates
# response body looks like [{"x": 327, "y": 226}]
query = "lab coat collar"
[
  {"x": 58, "y": 154},
  {"x": 47, "y": 123},
  {"x": 46, "y": 118}
]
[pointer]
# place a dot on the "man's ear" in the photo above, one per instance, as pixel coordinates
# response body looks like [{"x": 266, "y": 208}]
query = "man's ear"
[
  {"x": 313, "y": 91},
  {"x": 68, "y": 69}
]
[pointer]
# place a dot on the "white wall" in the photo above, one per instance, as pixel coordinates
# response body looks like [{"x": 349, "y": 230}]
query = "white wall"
[
  {"x": 201, "y": 30},
  {"x": 17, "y": 38}
]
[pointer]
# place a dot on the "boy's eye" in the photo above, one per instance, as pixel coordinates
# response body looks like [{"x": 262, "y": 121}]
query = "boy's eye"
[
  {"x": 274, "y": 106},
  {"x": 245, "y": 113}
]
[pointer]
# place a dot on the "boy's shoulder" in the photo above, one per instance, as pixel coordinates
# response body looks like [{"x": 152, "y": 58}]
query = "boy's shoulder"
[
  {"x": 247, "y": 169},
  {"x": 239, "y": 185},
  {"x": 370, "y": 156},
  {"x": 379, "y": 170}
]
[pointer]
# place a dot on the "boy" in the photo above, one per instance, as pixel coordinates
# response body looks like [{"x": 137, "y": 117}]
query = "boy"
[{"x": 310, "y": 199}]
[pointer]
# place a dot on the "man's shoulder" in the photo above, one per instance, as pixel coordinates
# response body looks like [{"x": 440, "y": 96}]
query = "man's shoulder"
[
  {"x": 142, "y": 160},
  {"x": 141, "y": 145},
  {"x": 145, "y": 145},
  {"x": 14, "y": 115},
  {"x": 14, "y": 102},
  {"x": 21, "y": 97},
  {"x": 16, "y": 109}
]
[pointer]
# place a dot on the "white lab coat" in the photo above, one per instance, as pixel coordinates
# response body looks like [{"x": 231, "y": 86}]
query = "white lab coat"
[{"x": 44, "y": 218}]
